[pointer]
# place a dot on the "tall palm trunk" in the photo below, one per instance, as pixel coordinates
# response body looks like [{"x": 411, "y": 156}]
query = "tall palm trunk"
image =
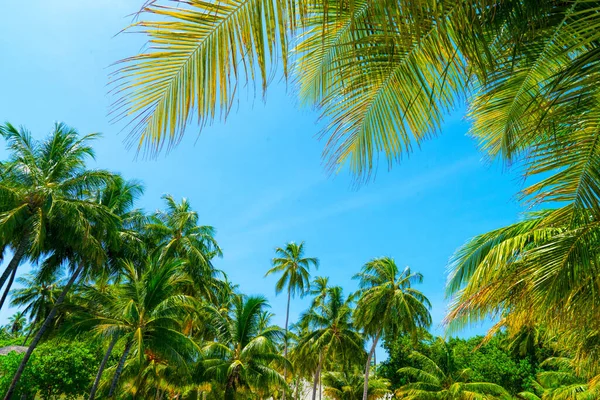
[
  {"x": 285, "y": 340},
  {"x": 11, "y": 269},
  {"x": 115, "y": 381},
  {"x": 317, "y": 376},
  {"x": 320, "y": 387},
  {"x": 41, "y": 332},
  {"x": 368, "y": 366},
  {"x": 8, "y": 286},
  {"x": 31, "y": 328},
  {"x": 102, "y": 366}
]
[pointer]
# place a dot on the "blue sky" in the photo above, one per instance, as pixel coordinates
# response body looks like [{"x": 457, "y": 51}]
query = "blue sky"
[{"x": 259, "y": 178}]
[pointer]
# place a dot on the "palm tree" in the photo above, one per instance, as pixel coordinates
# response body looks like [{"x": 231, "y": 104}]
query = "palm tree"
[
  {"x": 17, "y": 322},
  {"x": 38, "y": 294},
  {"x": 41, "y": 187},
  {"x": 348, "y": 385},
  {"x": 319, "y": 290},
  {"x": 331, "y": 335},
  {"x": 175, "y": 233},
  {"x": 70, "y": 227},
  {"x": 561, "y": 383},
  {"x": 302, "y": 357},
  {"x": 433, "y": 381},
  {"x": 145, "y": 313},
  {"x": 388, "y": 305},
  {"x": 295, "y": 275},
  {"x": 537, "y": 272},
  {"x": 127, "y": 241},
  {"x": 244, "y": 354}
]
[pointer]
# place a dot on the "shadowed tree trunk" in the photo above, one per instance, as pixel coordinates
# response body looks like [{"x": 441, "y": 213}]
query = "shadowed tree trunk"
[
  {"x": 40, "y": 333},
  {"x": 320, "y": 387},
  {"x": 31, "y": 328},
  {"x": 11, "y": 269},
  {"x": 102, "y": 366},
  {"x": 368, "y": 366},
  {"x": 317, "y": 376},
  {"x": 229, "y": 392},
  {"x": 285, "y": 340},
  {"x": 115, "y": 381},
  {"x": 8, "y": 286}
]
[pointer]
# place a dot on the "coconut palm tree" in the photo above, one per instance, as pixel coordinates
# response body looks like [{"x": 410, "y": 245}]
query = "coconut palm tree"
[
  {"x": 318, "y": 289},
  {"x": 331, "y": 335},
  {"x": 537, "y": 272},
  {"x": 388, "y": 304},
  {"x": 127, "y": 241},
  {"x": 295, "y": 278},
  {"x": 303, "y": 358},
  {"x": 17, "y": 322},
  {"x": 560, "y": 382},
  {"x": 244, "y": 355},
  {"x": 42, "y": 186},
  {"x": 348, "y": 385},
  {"x": 175, "y": 233},
  {"x": 38, "y": 295},
  {"x": 144, "y": 312},
  {"x": 80, "y": 257},
  {"x": 433, "y": 381},
  {"x": 70, "y": 226}
]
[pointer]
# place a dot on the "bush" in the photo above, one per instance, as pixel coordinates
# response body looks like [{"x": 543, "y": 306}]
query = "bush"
[{"x": 56, "y": 369}]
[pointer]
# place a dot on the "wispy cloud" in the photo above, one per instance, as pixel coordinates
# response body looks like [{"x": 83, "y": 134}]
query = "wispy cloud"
[
  {"x": 261, "y": 206},
  {"x": 389, "y": 194}
]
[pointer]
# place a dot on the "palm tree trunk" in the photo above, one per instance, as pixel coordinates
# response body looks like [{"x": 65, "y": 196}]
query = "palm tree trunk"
[
  {"x": 102, "y": 366},
  {"x": 297, "y": 388},
  {"x": 374, "y": 361},
  {"x": 317, "y": 376},
  {"x": 8, "y": 286},
  {"x": 285, "y": 340},
  {"x": 32, "y": 327},
  {"x": 320, "y": 388},
  {"x": 12, "y": 265},
  {"x": 40, "y": 333},
  {"x": 229, "y": 392},
  {"x": 115, "y": 381},
  {"x": 368, "y": 366}
]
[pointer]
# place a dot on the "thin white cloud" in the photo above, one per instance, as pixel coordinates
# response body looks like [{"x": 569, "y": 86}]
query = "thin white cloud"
[{"x": 390, "y": 194}]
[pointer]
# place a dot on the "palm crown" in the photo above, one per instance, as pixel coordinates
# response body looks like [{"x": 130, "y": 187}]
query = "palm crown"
[
  {"x": 44, "y": 193},
  {"x": 144, "y": 312},
  {"x": 388, "y": 302},
  {"x": 245, "y": 353},
  {"x": 175, "y": 232},
  {"x": 294, "y": 268}
]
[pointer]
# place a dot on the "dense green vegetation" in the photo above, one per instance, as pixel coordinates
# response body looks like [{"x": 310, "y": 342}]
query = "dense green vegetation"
[{"x": 136, "y": 309}]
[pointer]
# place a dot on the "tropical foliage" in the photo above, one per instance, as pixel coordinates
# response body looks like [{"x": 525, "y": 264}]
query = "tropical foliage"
[
  {"x": 384, "y": 75},
  {"x": 431, "y": 380}
]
